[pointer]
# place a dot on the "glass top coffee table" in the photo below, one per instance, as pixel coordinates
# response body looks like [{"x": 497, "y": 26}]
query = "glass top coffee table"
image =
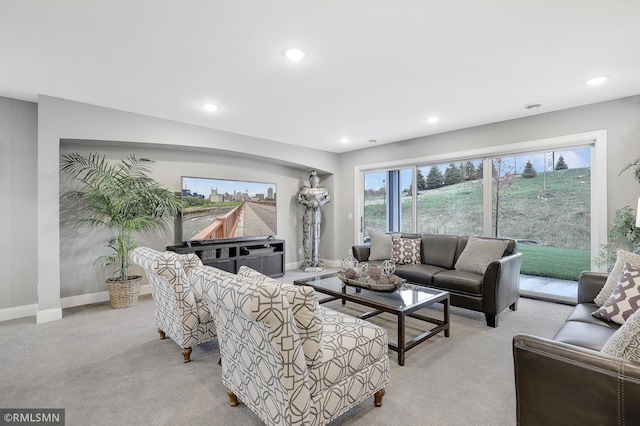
[{"x": 403, "y": 303}]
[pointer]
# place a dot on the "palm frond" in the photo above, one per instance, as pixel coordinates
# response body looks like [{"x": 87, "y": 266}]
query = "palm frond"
[
  {"x": 636, "y": 172},
  {"x": 121, "y": 197}
]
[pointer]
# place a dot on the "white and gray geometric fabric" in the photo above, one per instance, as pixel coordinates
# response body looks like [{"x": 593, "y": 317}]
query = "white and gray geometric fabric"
[
  {"x": 263, "y": 360},
  {"x": 622, "y": 257},
  {"x": 306, "y": 312},
  {"x": 625, "y": 342},
  {"x": 179, "y": 311},
  {"x": 625, "y": 299}
]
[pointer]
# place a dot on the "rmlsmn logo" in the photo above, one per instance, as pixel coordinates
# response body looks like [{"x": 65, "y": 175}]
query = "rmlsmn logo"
[{"x": 31, "y": 416}]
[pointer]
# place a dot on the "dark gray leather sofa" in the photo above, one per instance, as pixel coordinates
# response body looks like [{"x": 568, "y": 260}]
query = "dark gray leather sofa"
[
  {"x": 566, "y": 380},
  {"x": 490, "y": 293}
]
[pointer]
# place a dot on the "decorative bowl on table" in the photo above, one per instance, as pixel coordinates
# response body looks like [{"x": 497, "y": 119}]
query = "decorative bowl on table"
[{"x": 370, "y": 277}]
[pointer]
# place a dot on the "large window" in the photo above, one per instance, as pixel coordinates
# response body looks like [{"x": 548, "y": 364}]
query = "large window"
[
  {"x": 543, "y": 199},
  {"x": 449, "y": 198},
  {"x": 388, "y": 201},
  {"x": 548, "y": 194}
]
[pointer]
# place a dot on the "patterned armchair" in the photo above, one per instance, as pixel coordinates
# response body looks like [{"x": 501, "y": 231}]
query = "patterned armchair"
[
  {"x": 180, "y": 312},
  {"x": 289, "y": 360}
]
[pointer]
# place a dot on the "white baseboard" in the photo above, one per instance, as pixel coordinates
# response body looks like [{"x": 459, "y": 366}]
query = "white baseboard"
[
  {"x": 49, "y": 315},
  {"x": 84, "y": 299},
  {"x": 333, "y": 263},
  {"x": 16, "y": 312},
  {"x": 325, "y": 262},
  {"x": 290, "y": 266},
  {"x": 98, "y": 297}
]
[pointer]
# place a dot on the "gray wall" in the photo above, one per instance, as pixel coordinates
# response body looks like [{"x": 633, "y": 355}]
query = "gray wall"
[
  {"x": 18, "y": 211},
  {"x": 620, "y": 118},
  {"x": 80, "y": 246},
  {"x": 37, "y": 234},
  {"x": 182, "y": 148}
]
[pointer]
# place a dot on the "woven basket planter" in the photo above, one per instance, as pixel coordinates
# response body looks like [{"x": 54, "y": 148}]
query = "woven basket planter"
[{"x": 124, "y": 294}]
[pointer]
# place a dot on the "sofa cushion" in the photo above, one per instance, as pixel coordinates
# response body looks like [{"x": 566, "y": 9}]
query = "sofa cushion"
[
  {"x": 381, "y": 246},
  {"x": 459, "y": 282},
  {"x": 406, "y": 250},
  {"x": 585, "y": 335},
  {"x": 350, "y": 345},
  {"x": 479, "y": 253},
  {"x": 625, "y": 299},
  {"x": 421, "y": 274},
  {"x": 582, "y": 313},
  {"x": 306, "y": 312},
  {"x": 622, "y": 257},
  {"x": 625, "y": 342},
  {"x": 439, "y": 250}
]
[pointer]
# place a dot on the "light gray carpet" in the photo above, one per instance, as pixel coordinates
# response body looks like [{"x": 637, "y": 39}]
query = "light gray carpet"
[{"x": 108, "y": 367}]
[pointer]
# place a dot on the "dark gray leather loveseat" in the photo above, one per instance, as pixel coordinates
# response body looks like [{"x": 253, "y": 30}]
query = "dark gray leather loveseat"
[
  {"x": 490, "y": 293},
  {"x": 567, "y": 380}
]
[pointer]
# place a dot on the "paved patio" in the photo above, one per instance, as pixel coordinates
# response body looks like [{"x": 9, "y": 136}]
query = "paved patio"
[{"x": 549, "y": 288}]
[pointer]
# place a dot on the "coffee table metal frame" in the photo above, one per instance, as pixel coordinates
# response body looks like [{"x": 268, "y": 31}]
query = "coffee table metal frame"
[{"x": 402, "y": 303}]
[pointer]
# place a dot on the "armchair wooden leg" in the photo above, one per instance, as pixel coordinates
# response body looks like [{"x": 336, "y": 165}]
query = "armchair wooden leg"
[
  {"x": 162, "y": 335},
  {"x": 377, "y": 398},
  {"x": 233, "y": 399},
  {"x": 186, "y": 353}
]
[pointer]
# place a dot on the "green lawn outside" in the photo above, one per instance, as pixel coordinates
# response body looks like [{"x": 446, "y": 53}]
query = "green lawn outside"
[{"x": 554, "y": 262}]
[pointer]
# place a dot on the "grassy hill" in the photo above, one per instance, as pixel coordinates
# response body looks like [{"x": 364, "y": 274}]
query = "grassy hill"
[{"x": 552, "y": 209}]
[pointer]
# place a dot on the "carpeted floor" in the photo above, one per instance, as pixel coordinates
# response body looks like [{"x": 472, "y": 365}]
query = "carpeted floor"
[{"x": 109, "y": 367}]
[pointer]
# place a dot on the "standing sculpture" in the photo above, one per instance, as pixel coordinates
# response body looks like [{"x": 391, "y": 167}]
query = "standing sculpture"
[{"x": 313, "y": 197}]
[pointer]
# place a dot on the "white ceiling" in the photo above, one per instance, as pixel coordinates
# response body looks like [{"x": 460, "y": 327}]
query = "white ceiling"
[{"x": 375, "y": 68}]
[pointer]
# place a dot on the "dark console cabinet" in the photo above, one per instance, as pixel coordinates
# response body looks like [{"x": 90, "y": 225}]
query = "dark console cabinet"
[{"x": 265, "y": 256}]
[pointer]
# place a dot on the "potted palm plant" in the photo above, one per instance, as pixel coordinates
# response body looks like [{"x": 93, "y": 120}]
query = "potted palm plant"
[{"x": 124, "y": 199}]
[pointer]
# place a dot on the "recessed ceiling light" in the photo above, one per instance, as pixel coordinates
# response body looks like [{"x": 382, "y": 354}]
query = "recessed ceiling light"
[
  {"x": 596, "y": 81},
  {"x": 295, "y": 54},
  {"x": 344, "y": 140},
  {"x": 210, "y": 107},
  {"x": 433, "y": 120}
]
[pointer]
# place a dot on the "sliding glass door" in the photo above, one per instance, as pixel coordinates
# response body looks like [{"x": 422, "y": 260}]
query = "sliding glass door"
[
  {"x": 550, "y": 195},
  {"x": 543, "y": 199},
  {"x": 388, "y": 201},
  {"x": 449, "y": 198}
]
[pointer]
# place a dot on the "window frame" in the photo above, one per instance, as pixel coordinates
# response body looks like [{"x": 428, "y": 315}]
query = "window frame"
[{"x": 596, "y": 140}]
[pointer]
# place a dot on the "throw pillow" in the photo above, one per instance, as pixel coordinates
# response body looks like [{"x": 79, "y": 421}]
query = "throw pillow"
[
  {"x": 625, "y": 299},
  {"x": 479, "y": 253},
  {"x": 306, "y": 312},
  {"x": 625, "y": 342},
  {"x": 622, "y": 257},
  {"x": 405, "y": 251},
  {"x": 381, "y": 246}
]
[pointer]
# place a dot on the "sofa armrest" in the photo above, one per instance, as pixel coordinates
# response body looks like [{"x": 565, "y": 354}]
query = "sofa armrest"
[
  {"x": 589, "y": 285},
  {"x": 361, "y": 252},
  {"x": 558, "y": 383},
  {"x": 501, "y": 283}
]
